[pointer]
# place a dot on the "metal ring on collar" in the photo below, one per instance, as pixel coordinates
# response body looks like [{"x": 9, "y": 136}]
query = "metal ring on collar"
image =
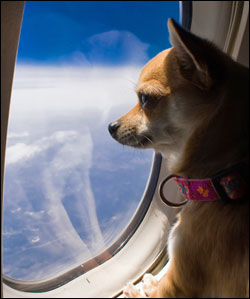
[{"x": 163, "y": 198}]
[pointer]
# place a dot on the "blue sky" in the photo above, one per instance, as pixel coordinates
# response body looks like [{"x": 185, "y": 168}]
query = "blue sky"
[
  {"x": 102, "y": 31},
  {"x": 71, "y": 189}
]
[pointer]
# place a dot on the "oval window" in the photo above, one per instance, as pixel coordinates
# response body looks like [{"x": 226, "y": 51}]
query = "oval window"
[{"x": 70, "y": 190}]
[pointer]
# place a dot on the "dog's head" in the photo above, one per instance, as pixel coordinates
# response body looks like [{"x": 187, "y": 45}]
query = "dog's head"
[{"x": 178, "y": 90}]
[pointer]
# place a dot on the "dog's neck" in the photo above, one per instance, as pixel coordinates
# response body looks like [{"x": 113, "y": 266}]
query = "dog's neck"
[
  {"x": 202, "y": 156},
  {"x": 201, "y": 164},
  {"x": 220, "y": 142}
]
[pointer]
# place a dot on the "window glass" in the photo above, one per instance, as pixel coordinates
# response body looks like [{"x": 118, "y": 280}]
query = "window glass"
[{"x": 70, "y": 190}]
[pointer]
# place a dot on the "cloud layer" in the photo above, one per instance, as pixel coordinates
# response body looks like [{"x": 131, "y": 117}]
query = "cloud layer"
[{"x": 61, "y": 207}]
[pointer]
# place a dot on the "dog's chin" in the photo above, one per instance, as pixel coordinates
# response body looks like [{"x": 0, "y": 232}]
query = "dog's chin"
[{"x": 136, "y": 141}]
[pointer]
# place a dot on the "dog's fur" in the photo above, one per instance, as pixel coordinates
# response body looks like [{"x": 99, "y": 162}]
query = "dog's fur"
[{"x": 193, "y": 108}]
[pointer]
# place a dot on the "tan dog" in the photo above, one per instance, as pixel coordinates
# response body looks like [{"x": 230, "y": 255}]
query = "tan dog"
[{"x": 193, "y": 108}]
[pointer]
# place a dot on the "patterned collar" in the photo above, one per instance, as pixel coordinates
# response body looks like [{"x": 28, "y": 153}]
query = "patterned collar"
[{"x": 228, "y": 185}]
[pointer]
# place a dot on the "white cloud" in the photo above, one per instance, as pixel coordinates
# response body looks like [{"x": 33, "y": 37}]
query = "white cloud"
[
  {"x": 119, "y": 46},
  {"x": 73, "y": 150},
  {"x": 76, "y": 58},
  {"x": 16, "y": 210},
  {"x": 76, "y": 149},
  {"x": 109, "y": 47},
  {"x": 17, "y": 135},
  {"x": 61, "y": 136},
  {"x": 40, "y": 91},
  {"x": 76, "y": 153},
  {"x": 57, "y": 234},
  {"x": 21, "y": 152}
]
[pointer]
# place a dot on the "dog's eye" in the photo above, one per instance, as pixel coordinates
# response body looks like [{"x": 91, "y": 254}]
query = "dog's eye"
[{"x": 143, "y": 99}]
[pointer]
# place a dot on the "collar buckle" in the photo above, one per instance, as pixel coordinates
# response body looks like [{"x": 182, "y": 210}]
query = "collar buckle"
[{"x": 232, "y": 183}]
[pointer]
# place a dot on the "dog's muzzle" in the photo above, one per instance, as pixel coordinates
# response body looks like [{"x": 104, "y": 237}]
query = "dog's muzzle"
[
  {"x": 128, "y": 136},
  {"x": 113, "y": 128}
]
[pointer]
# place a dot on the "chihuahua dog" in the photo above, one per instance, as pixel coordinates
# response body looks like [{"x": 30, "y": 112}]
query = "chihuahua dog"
[{"x": 193, "y": 108}]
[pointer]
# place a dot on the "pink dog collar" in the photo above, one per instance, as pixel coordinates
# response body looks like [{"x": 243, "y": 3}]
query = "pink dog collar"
[
  {"x": 230, "y": 184},
  {"x": 233, "y": 186}
]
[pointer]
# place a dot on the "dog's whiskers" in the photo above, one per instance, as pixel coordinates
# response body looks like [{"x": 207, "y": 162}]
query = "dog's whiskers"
[
  {"x": 136, "y": 140},
  {"x": 147, "y": 138}
]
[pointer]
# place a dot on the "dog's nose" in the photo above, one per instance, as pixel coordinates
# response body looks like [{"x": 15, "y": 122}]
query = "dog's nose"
[{"x": 113, "y": 127}]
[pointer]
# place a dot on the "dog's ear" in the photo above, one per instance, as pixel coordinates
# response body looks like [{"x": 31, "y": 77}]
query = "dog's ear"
[{"x": 192, "y": 54}]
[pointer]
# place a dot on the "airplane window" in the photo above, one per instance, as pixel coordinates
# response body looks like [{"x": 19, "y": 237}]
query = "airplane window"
[{"x": 70, "y": 190}]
